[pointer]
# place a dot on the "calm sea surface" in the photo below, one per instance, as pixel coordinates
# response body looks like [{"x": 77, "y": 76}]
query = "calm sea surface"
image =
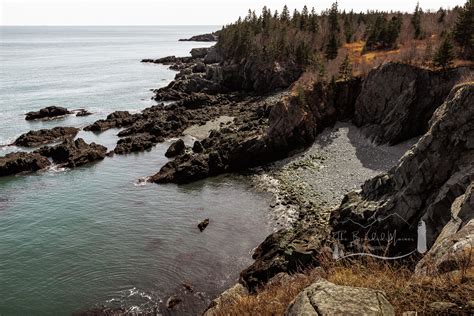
[{"x": 74, "y": 239}]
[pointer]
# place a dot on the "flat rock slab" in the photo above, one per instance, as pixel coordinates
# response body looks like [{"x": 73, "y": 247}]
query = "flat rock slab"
[{"x": 326, "y": 298}]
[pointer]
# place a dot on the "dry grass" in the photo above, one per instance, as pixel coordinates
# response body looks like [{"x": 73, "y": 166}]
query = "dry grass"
[{"x": 403, "y": 291}]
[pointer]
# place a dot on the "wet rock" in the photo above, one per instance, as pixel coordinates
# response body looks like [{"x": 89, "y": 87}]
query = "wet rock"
[
  {"x": 136, "y": 143},
  {"x": 74, "y": 153},
  {"x": 48, "y": 112},
  {"x": 202, "y": 225},
  {"x": 326, "y": 298},
  {"x": 197, "y": 147},
  {"x": 83, "y": 112},
  {"x": 172, "y": 302},
  {"x": 17, "y": 162},
  {"x": 184, "y": 169},
  {"x": 175, "y": 149},
  {"x": 114, "y": 120},
  {"x": 197, "y": 100},
  {"x": 45, "y": 136}
]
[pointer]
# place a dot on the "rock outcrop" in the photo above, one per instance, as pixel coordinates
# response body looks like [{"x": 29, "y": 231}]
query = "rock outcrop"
[
  {"x": 453, "y": 250},
  {"x": 74, "y": 153},
  {"x": 45, "y": 136},
  {"x": 114, "y": 120},
  {"x": 401, "y": 108},
  {"x": 421, "y": 189},
  {"x": 48, "y": 112},
  {"x": 210, "y": 37},
  {"x": 325, "y": 298},
  {"x": 18, "y": 162},
  {"x": 136, "y": 143}
]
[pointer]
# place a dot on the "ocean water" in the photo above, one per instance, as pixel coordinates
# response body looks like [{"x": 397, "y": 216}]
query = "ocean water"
[{"x": 97, "y": 235}]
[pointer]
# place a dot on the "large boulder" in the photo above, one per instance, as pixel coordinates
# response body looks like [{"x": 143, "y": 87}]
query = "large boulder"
[
  {"x": 175, "y": 149},
  {"x": 184, "y": 169},
  {"x": 200, "y": 52},
  {"x": 401, "y": 107},
  {"x": 74, "y": 153},
  {"x": 45, "y": 136},
  {"x": 413, "y": 201},
  {"x": 47, "y": 112},
  {"x": 325, "y": 298},
  {"x": 14, "y": 163}
]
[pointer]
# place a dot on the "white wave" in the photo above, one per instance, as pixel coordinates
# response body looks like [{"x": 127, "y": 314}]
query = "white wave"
[{"x": 141, "y": 181}]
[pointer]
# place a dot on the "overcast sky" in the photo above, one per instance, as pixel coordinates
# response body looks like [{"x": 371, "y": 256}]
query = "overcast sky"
[{"x": 175, "y": 12}]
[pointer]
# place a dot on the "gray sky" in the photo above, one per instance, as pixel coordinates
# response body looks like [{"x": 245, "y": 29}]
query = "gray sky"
[{"x": 176, "y": 12}]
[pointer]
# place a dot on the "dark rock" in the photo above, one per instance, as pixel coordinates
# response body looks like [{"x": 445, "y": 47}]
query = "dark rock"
[
  {"x": 421, "y": 189},
  {"x": 83, "y": 112},
  {"x": 197, "y": 147},
  {"x": 175, "y": 149},
  {"x": 136, "y": 143},
  {"x": 210, "y": 37},
  {"x": 202, "y": 225},
  {"x": 172, "y": 302},
  {"x": 213, "y": 56},
  {"x": 199, "y": 67},
  {"x": 197, "y": 100},
  {"x": 401, "y": 108},
  {"x": 114, "y": 120},
  {"x": 48, "y": 112},
  {"x": 74, "y": 153},
  {"x": 184, "y": 169},
  {"x": 199, "y": 52},
  {"x": 17, "y": 162},
  {"x": 45, "y": 136}
]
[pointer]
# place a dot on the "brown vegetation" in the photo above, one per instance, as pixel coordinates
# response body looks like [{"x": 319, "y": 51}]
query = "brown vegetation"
[{"x": 403, "y": 290}]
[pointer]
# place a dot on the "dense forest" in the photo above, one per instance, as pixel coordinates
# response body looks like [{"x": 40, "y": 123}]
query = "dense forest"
[{"x": 335, "y": 41}]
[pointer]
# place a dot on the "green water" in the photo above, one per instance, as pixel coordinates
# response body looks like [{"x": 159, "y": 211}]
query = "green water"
[{"x": 74, "y": 239}]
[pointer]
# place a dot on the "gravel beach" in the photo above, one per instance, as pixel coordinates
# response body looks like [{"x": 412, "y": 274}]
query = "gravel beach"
[{"x": 339, "y": 161}]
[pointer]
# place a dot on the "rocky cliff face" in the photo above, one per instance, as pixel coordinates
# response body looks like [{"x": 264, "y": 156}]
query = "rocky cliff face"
[
  {"x": 422, "y": 187},
  {"x": 397, "y": 101}
]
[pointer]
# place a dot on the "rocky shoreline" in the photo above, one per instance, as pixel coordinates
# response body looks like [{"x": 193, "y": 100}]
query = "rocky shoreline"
[{"x": 395, "y": 103}]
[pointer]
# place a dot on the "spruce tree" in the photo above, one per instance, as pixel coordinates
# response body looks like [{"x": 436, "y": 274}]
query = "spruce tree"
[
  {"x": 416, "y": 21},
  {"x": 304, "y": 19},
  {"x": 345, "y": 70},
  {"x": 445, "y": 54},
  {"x": 313, "y": 22},
  {"x": 285, "y": 15},
  {"x": 464, "y": 30},
  {"x": 442, "y": 15},
  {"x": 332, "y": 47}
]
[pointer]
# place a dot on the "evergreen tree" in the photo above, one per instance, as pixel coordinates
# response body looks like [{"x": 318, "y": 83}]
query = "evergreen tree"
[
  {"x": 295, "y": 19},
  {"x": 285, "y": 15},
  {"x": 442, "y": 15},
  {"x": 304, "y": 19},
  {"x": 416, "y": 21},
  {"x": 348, "y": 31},
  {"x": 334, "y": 18},
  {"x": 464, "y": 30},
  {"x": 345, "y": 70},
  {"x": 313, "y": 22},
  {"x": 332, "y": 47},
  {"x": 445, "y": 54}
]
